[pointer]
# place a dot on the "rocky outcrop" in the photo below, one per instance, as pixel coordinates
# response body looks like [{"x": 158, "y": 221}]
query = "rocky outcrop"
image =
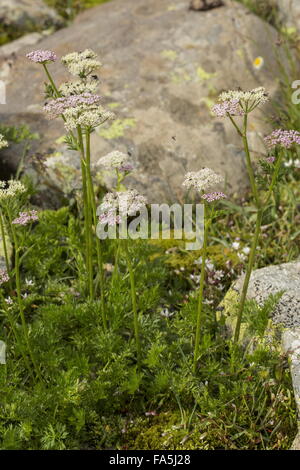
[
  {"x": 289, "y": 14},
  {"x": 163, "y": 67},
  {"x": 27, "y": 15},
  {"x": 284, "y": 279}
]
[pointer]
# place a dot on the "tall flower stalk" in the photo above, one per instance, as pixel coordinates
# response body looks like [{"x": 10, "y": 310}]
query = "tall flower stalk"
[
  {"x": 114, "y": 211},
  {"x": 202, "y": 181},
  {"x": 80, "y": 109},
  {"x": 240, "y": 104},
  {"x": 10, "y": 200},
  {"x": 23, "y": 219}
]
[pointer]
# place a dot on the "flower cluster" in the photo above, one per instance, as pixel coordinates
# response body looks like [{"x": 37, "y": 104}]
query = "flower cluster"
[
  {"x": 116, "y": 160},
  {"x": 248, "y": 99},
  {"x": 78, "y": 87},
  {"x": 86, "y": 116},
  {"x": 216, "y": 196},
  {"x": 4, "y": 277},
  {"x": 41, "y": 57},
  {"x": 116, "y": 206},
  {"x": 3, "y": 142},
  {"x": 11, "y": 189},
  {"x": 231, "y": 108},
  {"x": 81, "y": 64},
  {"x": 202, "y": 180},
  {"x": 58, "y": 106},
  {"x": 292, "y": 163},
  {"x": 25, "y": 218},
  {"x": 284, "y": 138}
]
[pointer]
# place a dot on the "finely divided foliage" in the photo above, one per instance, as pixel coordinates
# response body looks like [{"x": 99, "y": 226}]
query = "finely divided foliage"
[{"x": 119, "y": 343}]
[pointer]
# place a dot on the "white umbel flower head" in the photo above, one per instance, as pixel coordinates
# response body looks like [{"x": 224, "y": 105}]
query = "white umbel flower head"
[
  {"x": 115, "y": 206},
  {"x": 81, "y": 64},
  {"x": 202, "y": 180},
  {"x": 86, "y": 116},
  {"x": 3, "y": 142},
  {"x": 116, "y": 161},
  {"x": 78, "y": 87},
  {"x": 11, "y": 189},
  {"x": 248, "y": 100}
]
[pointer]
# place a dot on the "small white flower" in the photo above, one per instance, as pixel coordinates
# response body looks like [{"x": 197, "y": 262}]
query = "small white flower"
[
  {"x": 235, "y": 245},
  {"x": 8, "y": 300},
  {"x": 246, "y": 250},
  {"x": 166, "y": 313},
  {"x": 29, "y": 282}
]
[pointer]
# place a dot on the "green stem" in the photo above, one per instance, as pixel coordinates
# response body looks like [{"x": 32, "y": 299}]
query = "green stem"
[
  {"x": 15, "y": 332},
  {"x": 200, "y": 295},
  {"x": 256, "y": 234},
  {"x": 248, "y": 275},
  {"x": 51, "y": 80},
  {"x": 274, "y": 178},
  {"x": 134, "y": 305},
  {"x": 249, "y": 164},
  {"x": 87, "y": 215},
  {"x": 19, "y": 296},
  {"x": 94, "y": 214},
  {"x": 3, "y": 235}
]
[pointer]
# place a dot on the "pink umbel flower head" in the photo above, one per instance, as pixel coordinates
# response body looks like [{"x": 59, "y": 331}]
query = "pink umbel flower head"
[
  {"x": 228, "y": 108},
  {"x": 58, "y": 106},
  {"x": 4, "y": 277},
  {"x": 25, "y": 218},
  {"x": 270, "y": 159},
  {"x": 41, "y": 57},
  {"x": 283, "y": 138},
  {"x": 212, "y": 197}
]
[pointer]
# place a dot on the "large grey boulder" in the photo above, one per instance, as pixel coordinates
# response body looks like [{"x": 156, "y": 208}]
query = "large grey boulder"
[
  {"x": 289, "y": 13},
  {"x": 163, "y": 67},
  {"x": 274, "y": 279},
  {"x": 284, "y": 278},
  {"x": 27, "y": 15}
]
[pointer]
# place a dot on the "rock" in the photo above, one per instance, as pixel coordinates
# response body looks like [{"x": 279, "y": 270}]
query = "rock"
[
  {"x": 27, "y": 15},
  {"x": 164, "y": 66},
  {"x": 291, "y": 346},
  {"x": 272, "y": 279},
  {"x": 264, "y": 282},
  {"x": 289, "y": 14}
]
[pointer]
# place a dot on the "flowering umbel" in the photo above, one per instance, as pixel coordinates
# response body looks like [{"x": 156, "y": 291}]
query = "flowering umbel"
[
  {"x": 26, "y": 217},
  {"x": 4, "y": 277},
  {"x": 202, "y": 180},
  {"x": 3, "y": 142},
  {"x": 81, "y": 64},
  {"x": 41, "y": 57},
  {"x": 118, "y": 205},
  {"x": 283, "y": 138},
  {"x": 11, "y": 189},
  {"x": 116, "y": 160},
  {"x": 212, "y": 197},
  {"x": 238, "y": 103}
]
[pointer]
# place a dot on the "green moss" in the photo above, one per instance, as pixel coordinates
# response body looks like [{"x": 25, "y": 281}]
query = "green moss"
[
  {"x": 117, "y": 128},
  {"x": 169, "y": 54},
  {"x": 203, "y": 75}
]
